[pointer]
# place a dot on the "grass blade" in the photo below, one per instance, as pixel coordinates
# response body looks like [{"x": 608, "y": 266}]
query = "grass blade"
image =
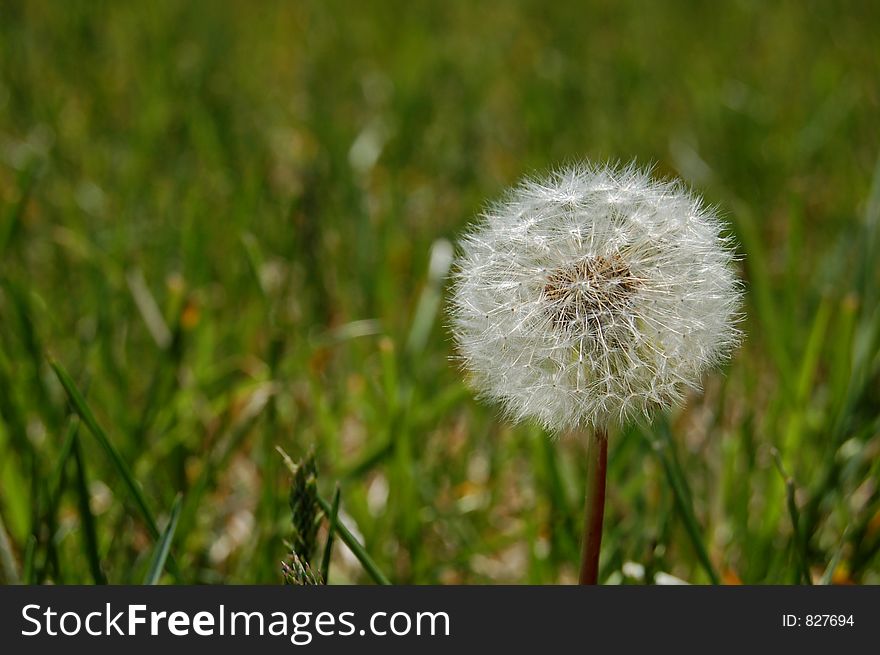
[
  {"x": 429, "y": 302},
  {"x": 334, "y": 515},
  {"x": 53, "y": 484},
  {"x": 82, "y": 409},
  {"x": 354, "y": 545},
  {"x": 149, "y": 308},
  {"x": 163, "y": 547},
  {"x": 90, "y": 534},
  {"x": 683, "y": 501},
  {"x": 799, "y": 541},
  {"x": 52, "y": 490},
  {"x": 828, "y": 576},
  {"x": 85, "y": 413}
]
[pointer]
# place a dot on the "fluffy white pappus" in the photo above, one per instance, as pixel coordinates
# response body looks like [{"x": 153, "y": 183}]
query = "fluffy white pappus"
[{"x": 594, "y": 296}]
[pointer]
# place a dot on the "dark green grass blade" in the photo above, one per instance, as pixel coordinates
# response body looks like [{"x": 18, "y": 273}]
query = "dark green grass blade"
[
  {"x": 334, "y": 515},
  {"x": 53, "y": 490},
  {"x": 82, "y": 409},
  {"x": 800, "y": 543},
  {"x": 53, "y": 485},
  {"x": 90, "y": 533},
  {"x": 349, "y": 540},
  {"x": 163, "y": 547},
  {"x": 683, "y": 501},
  {"x": 29, "y": 333},
  {"x": 36, "y": 530}
]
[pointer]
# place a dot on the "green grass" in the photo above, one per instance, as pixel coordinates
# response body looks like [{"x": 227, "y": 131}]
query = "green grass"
[{"x": 216, "y": 222}]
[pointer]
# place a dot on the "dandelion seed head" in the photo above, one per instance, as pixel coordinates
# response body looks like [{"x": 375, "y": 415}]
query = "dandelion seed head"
[{"x": 594, "y": 296}]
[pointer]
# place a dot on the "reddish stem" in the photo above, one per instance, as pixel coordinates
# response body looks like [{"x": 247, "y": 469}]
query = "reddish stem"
[{"x": 597, "y": 463}]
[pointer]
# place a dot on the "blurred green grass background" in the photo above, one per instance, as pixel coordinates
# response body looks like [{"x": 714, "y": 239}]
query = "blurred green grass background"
[{"x": 218, "y": 217}]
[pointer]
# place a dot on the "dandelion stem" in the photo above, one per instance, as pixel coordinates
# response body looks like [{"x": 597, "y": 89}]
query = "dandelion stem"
[{"x": 597, "y": 463}]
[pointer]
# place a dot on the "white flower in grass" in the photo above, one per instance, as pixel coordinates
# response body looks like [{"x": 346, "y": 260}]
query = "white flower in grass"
[{"x": 594, "y": 296}]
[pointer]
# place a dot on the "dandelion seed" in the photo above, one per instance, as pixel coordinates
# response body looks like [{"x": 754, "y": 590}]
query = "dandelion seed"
[{"x": 594, "y": 296}]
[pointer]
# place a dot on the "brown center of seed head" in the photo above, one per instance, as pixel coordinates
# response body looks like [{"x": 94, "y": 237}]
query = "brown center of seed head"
[{"x": 590, "y": 291}]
